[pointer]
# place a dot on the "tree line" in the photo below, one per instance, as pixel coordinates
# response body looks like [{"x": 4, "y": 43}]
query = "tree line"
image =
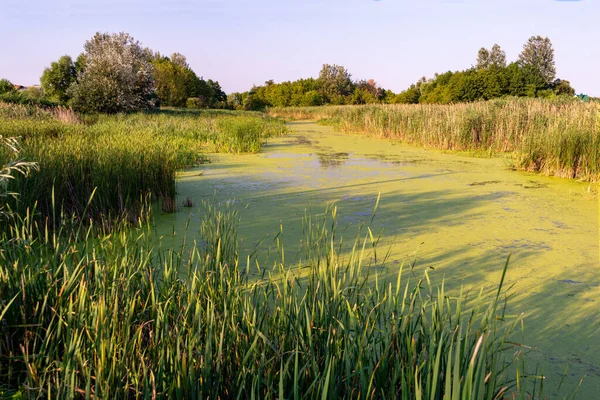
[
  {"x": 115, "y": 73},
  {"x": 532, "y": 75}
]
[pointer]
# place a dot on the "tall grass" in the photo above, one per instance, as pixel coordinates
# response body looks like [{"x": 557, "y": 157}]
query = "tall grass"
[
  {"x": 122, "y": 158},
  {"x": 560, "y": 138},
  {"x": 112, "y": 316}
]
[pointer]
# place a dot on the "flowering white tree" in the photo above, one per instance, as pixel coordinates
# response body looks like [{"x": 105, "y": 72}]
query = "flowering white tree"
[{"x": 116, "y": 77}]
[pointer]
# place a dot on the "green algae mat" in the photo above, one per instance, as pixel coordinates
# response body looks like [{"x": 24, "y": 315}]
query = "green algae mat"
[{"x": 458, "y": 217}]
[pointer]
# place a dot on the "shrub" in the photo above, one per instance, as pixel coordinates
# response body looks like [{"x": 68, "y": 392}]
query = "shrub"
[
  {"x": 6, "y": 86},
  {"x": 196, "y": 103}
]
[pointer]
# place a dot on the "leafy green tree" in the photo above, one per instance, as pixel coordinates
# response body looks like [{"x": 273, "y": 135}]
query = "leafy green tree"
[
  {"x": 80, "y": 63},
  {"x": 6, "y": 86},
  {"x": 171, "y": 82},
  {"x": 494, "y": 82},
  {"x": 335, "y": 83},
  {"x": 562, "y": 87},
  {"x": 409, "y": 96},
  {"x": 57, "y": 79},
  {"x": 235, "y": 101},
  {"x": 117, "y": 76},
  {"x": 538, "y": 54},
  {"x": 473, "y": 86},
  {"x": 367, "y": 92},
  {"x": 219, "y": 97},
  {"x": 515, "y": 80}
]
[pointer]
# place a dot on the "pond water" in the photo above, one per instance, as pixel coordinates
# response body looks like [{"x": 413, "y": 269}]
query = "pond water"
[{"x": 459, "y": 216}]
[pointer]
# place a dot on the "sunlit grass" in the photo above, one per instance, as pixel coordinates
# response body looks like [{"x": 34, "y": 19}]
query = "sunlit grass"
[{"x": 122, "y": 158}]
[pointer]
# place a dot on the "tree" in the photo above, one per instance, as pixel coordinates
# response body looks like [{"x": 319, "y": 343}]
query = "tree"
[
  {"x": 497, "y": 57},
  {"x": 562, "y": 87},
  {"x": 57, "y": 79},
  {"x": 6, "y": 86},
  {"x": 538, "y": 54},
  {"x": 117, "y": 76},
  {"x": 174, "y": 81},
  {"x": 515, "y": 79},
  {"x": 335, "y": 82},
  {"x": 80, "y": 63},
  {"x": 494, "y": 57},
  {"x": 219, "y": 97},
  {"x": 483, "y": 58}
]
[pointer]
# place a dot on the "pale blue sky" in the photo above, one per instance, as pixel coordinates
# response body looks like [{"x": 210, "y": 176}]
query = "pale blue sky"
[{"x": 241, "y": 42}]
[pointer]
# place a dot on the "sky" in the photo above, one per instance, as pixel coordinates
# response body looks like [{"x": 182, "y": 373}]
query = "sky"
[{"x": 242, "y": 42}]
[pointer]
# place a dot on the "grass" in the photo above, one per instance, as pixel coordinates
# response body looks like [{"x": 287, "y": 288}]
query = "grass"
[
  {"x": 560, "y": 138},
  {"x": 93, "y": 314},
  {"x": 122, "y": 158}
]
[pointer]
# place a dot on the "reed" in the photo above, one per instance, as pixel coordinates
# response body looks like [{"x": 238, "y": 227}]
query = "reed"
[
  {"x": 112, "y": 315},
  {"x": 121, "y": 158},
  {"x": 560, "y": 138}
]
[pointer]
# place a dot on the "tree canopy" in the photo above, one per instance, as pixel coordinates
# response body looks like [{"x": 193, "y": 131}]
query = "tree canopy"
[{"x": 57, "y": 78}]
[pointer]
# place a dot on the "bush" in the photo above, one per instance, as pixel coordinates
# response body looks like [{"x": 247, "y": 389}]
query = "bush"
[
  {"x": 6, "y": 86},
  {"x": 312, "y": 98},
  {"x": 196, "y": 103}
]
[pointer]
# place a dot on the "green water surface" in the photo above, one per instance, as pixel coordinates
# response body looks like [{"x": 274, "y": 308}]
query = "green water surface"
[{"x": 459, "y": 216}]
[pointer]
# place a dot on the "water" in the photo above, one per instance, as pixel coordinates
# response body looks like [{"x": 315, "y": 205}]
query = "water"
[{"x": 459, "y": 216}]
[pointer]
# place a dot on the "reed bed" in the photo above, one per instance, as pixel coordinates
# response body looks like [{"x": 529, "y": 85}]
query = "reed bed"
[
  {"x": 114, "y": 315},
  {"x": 560, "y": 138},
  {"x": 121, "y": 158}
]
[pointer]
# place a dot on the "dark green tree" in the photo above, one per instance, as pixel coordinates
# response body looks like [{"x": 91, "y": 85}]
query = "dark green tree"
[
  {"x": 6, "y": 86},
  {"x": 562, "y": 87},
  {"x": 57, "y": 79}
]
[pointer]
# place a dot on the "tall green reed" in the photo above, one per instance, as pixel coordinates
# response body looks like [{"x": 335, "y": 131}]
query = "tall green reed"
[
  {"x": 122, "y": 158},
  {"x": 111, "y": 315}
]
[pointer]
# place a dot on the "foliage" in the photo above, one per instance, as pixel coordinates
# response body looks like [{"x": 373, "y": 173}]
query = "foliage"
[
  {"x": 538, "y": 54},
  {"x": 559, "y": 136},
  {"x": 11, "y": 166},
  {"x": 111, "y": 315},
  {"x": 562, "y": 87},
  {"x": 6, "y": 86},
  {"x": 491, "y": 78},
  {"x": 496, "y": 57},
  {"x": 121, "y": 158},
  {"x": 334, "y": 83},
  {"x": 30, "y": 96},
  {"x": 333, "y": 87},
  {"x": 196, "y": 103},
  {"x": 117, "y": 76},
  {"x": 57, "y": 79}
]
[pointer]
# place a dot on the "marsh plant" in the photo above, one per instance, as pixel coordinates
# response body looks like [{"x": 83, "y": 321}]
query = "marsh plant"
[
  {"x": 121, "y": 158},
  {"x": 114, "y": 315}
]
